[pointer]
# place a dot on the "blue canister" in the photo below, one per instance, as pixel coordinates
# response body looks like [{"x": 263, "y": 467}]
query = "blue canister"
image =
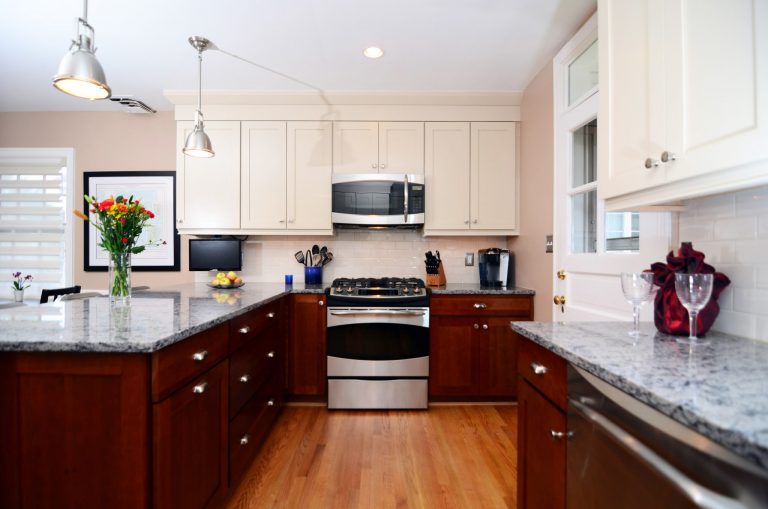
[{"x": 313, "y": 275}]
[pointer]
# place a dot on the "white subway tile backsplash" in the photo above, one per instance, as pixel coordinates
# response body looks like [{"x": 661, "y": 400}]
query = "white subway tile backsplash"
[
  {"x": 762, "y": 226},
  {"x": 762, "y": 275},
  {"x": 735, "y": 228},
  {"x": 718, "y": 206},
  {"x": 717, "y": 252},
  {"x": 739, "y": 324},
  {"x": 752, "y": 201},
  {"x": 750, "y": 300}
]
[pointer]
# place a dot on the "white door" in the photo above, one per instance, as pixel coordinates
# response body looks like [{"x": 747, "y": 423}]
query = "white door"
[
  {"x": 210, "y": 196},
  {"x": 446, "y": 175},
  {"x": 355, "y": 147},
  {"x": 493, "y": 176},
  {"x": 401, "y": 147},
  {"x": 263, "y": 189},
  {"x": 309, "y": 175},
  {"x": 592, "y": 247}
]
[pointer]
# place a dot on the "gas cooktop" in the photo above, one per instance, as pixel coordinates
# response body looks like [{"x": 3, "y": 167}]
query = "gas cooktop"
[{"x": 375, "y": 291}]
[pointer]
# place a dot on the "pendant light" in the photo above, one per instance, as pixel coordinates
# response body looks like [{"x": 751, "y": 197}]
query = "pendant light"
[
  {"x": 198, "y": 143},
  {"x": 80, "y": 73}
]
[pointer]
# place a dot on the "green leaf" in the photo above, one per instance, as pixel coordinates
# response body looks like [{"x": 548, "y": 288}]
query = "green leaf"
[{"x": 137, "y": 249}]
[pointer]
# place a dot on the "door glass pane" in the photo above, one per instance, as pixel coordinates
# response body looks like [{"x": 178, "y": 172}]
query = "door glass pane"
[
  {"x": 582, "y": 74},
  {"x": 584, "y": 222},
  {"x": 584, "y": 155},
  {"x": 622, "y": 231}
]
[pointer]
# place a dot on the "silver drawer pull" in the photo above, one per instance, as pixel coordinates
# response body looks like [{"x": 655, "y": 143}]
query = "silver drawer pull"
[
  {"x": 476, "y": 326},
  {"x": 245, "y": 378},
  {"x": 485, "y": 326},
  {"x": 244, "y": 330},
  {"x": 558, "y": 435},
  {"x": 200, "y": 388},
  {"x": 271, "y": 355},
  {"x": 200, "y": 356},
  {"x": 270, "y": 315},
  {"x": 480, "y": 305},
  {"x": 245, "y": 439},
  {"x": 271, "y": 402},
  {"x": 538, "y": 369}
]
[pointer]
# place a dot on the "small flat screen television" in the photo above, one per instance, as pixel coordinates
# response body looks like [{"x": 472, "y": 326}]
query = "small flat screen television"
[{"x": 215, "y": 254}]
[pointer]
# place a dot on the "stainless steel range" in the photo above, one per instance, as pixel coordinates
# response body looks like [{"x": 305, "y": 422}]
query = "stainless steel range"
[{"x": 378, "y": 343}]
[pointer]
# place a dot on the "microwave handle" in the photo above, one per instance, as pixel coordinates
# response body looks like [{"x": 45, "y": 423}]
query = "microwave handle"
[{"x": 405, "y": 200}]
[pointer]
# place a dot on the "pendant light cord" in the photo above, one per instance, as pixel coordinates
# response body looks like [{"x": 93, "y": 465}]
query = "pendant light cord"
[
  {"x": 85, "y": 11},
  {"x": 199, "y": 84}
]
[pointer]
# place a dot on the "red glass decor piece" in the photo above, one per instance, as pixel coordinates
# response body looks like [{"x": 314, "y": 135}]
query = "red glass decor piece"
[{"x": 669, "y": 314}]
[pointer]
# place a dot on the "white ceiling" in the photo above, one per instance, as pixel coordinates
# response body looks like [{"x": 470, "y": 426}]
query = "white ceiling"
[{"x": 430, "y": 45}]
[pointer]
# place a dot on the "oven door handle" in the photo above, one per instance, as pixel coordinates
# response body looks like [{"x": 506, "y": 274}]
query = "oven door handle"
[
  {"x": 698, "y": 494},
  {"x": 369, "y": 312}
]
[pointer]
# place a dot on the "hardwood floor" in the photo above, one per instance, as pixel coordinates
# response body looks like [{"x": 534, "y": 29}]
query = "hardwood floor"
[{"x": 447, "y": 457}]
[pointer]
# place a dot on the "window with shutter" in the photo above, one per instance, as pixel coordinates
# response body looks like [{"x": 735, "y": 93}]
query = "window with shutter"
[{"x": 36, "y": 216}]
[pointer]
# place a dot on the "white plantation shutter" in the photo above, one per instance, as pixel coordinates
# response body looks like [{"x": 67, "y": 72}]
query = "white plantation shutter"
[{"x": 35, "y": 216}]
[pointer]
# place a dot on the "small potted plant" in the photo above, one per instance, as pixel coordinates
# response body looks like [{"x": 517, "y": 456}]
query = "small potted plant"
[{"x": 19, "y": 284}]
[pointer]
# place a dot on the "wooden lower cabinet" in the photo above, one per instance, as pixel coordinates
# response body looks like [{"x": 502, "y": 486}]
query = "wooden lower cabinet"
[
  {"x": 306, "y": 369},
  {"x": 473, "y": 351}
]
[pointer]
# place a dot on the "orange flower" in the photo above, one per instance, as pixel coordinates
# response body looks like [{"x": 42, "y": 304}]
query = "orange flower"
[{"x": 80, "y": 214}]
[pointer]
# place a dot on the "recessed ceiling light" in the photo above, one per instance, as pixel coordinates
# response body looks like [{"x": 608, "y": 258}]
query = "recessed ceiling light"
[{"x": 373, "y": 52}]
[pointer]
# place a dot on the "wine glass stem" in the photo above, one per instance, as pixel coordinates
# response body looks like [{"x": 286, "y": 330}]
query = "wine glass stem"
[
  {"x": 692, "y": 325},
  {"x": 636, "y": 316}
]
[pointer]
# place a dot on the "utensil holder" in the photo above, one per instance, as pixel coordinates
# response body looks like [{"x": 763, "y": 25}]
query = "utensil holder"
[
  {"x": 436, "y": 279},
  {"x": 313, "y": 275}
]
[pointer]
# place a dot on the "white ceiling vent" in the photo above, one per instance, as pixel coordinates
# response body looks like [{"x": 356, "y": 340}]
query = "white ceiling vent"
[{"x": 131, "y": 104}]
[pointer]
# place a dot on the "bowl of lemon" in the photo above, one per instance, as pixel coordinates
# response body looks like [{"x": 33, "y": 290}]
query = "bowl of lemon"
[{"x": 226, "y": 281}]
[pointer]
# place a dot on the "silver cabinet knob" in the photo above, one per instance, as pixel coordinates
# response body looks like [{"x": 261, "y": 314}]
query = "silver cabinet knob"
[
  {"x": 320, "y": 303},
  {"x": 667, "y": 156},
  {"x": 181, "y": 221},
  {"x": 271, "y": 354},
  {"x": 559, "y": 435},
  {"x": 271, "y": 402},
  {"x": 281, "y": 221},
  {"x": 382, "y": 166},
  {"x": 485, "y": 326},
  {"x": 651, "y": 163},
  {"x": 476, "y": 326},
  {"x": 271, "y": 314},
  {"x": 290, "y": 220},
  {"x": 479, "y": 305},
  {"x": 200, "y": 388},
  {"x": 538, "y": 369},
  {"x": 245, "y": 439},
  {"x": 200, "y": 356},
  {"x": 374, "y": 165},
  {"x": 474, "y": 221},
  {"x": 244, "y": 330},
  {"x": 466, "y": 221},
  {"x": 245, "y": 378}
]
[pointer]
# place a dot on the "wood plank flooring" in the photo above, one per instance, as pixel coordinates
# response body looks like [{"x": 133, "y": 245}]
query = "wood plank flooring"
[{"x": 447, "y": 457}]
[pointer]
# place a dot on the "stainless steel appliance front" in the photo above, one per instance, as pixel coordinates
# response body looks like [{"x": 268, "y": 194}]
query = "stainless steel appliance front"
[
  {"x": 377, "y": 199},
  {"x": 378, "y": 357}
]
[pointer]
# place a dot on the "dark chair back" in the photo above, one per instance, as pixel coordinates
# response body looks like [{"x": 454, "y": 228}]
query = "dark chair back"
[{"x": 57, "y": 292}]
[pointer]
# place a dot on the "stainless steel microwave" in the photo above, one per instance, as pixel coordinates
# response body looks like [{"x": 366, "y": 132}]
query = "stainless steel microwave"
[{"x": 377, "y": 199}]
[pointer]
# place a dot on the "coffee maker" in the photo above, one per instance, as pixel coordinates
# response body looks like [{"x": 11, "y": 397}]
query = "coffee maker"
[{"x": 497, "y": 267}]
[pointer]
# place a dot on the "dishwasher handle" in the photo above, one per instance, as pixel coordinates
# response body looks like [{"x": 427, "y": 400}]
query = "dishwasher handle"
[{"x": 698, "y": 494}]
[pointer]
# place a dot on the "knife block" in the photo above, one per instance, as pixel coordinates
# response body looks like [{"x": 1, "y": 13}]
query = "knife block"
[{"x": 436, "y": 279}]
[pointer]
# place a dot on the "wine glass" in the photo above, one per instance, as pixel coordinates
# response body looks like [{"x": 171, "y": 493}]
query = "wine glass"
[
  {"x": 694, "y": 291},
  {"x": 637, "y": 288}
]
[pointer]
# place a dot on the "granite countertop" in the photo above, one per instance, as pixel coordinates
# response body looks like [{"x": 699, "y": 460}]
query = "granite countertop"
[
  {"x": 719, "y": 389},
  {"x": 154, "y": 319},
  {"x": 476, "y": 289}
]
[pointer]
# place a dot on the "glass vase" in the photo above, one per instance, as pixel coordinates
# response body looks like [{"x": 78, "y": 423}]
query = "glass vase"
[{"x": 120, "y": 279}]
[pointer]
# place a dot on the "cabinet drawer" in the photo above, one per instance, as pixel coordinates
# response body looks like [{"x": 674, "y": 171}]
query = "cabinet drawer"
[
  {"x": 180, "y": 362},
  {"x": 248, "y": 326},
  {"x": 543, "y": 369},
  {"x": 518, "y": 306},
  {"x": 250, "y": 367},
  {"x": 250, "y": 428}
]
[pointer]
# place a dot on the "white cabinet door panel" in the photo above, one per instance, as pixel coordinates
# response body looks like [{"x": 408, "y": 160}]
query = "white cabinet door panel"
[
  {"x": 446, "y": 175},
  {"x": 210, "y": 187},
  {"x": 493, "y": 182},
  {"x": 401, "y": 147},
  {"x": 355, "y": 147},
  {"x": 309, "y": 175},
  {"x": 263, "y": 187}
]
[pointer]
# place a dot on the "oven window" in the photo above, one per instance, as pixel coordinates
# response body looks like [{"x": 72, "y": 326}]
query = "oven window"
[{"x": 378, "y": 341}]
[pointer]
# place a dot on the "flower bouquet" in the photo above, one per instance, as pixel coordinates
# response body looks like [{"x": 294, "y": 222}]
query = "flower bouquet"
[{"x": 120, "y": 221}]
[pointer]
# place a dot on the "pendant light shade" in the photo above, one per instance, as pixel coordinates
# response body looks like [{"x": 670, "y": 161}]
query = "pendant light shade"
[
  {"x": 198, "y": 144},
  {"x": 80, "y": 73}
]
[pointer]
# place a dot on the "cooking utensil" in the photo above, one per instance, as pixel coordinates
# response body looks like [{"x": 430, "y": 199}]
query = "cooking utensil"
[
  {"x": 299, "y": 255},
  {"x": 315, "y": 249},
  {"x": 328, "y": 258},
  {"x": 316, "y": 259},
  {"x": 308, "y": 258}
]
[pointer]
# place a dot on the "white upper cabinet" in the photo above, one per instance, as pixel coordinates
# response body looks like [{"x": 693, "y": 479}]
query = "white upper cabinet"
[
  {"x": 683, "y": 99},
  {"x": 208, "y": 189},
  {"x": 263, "y": 177},
  {"x": 378, "y": 147},
  {"x": 471, "y": 178},
  {"x": 309, "y": 175}
]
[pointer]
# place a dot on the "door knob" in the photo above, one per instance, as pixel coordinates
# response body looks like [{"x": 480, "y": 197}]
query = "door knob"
[
  {"x": 561, "y": 274},
  {"x": 559, "y": 300}
]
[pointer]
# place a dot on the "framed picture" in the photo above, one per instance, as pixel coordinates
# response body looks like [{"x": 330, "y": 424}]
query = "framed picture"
[{"x": 157, "y": 192}]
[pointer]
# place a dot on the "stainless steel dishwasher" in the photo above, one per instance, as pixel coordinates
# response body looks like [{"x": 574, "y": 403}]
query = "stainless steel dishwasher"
[{"x": 623, "y": 453}]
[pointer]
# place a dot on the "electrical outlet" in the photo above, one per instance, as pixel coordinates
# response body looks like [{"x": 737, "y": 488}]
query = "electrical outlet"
[
  {"x": 469, "y": 259},
  {"x": 549, "y": 244}
]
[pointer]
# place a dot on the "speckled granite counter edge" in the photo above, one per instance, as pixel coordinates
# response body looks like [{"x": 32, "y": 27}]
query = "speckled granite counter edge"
[
  {"x": 448, "y": 290},
  {"x": 730, "y": 439}
]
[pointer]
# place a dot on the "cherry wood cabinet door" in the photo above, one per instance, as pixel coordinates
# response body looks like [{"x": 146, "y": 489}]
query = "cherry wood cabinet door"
[
  {"x": 190, "y": 443},
  {"x": 306, "y": 357},
  {"x": 498, "y": 356},
  {"x": 541, "y": 457},
  {"x": 454, "y": 357}
]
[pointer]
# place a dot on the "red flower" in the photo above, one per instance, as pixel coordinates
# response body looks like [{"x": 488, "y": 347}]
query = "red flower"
[
  {"x": 122, "y": 219},
  {"x": 125, "y": 240},
  {"x": 151, "y": 215},
  {"x": 106, "y": 204}
]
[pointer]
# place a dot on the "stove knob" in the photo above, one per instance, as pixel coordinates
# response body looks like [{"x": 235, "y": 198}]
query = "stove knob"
[
  {"x": 349, "y": 290},
  {"x": 406, "y": 290},
  {"x": 417, "y": 290}
]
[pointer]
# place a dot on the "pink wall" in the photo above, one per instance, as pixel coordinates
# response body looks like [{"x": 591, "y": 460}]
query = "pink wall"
[
  {"x": 534, "y": 267},
  {"x": 104, "y": 142}
]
